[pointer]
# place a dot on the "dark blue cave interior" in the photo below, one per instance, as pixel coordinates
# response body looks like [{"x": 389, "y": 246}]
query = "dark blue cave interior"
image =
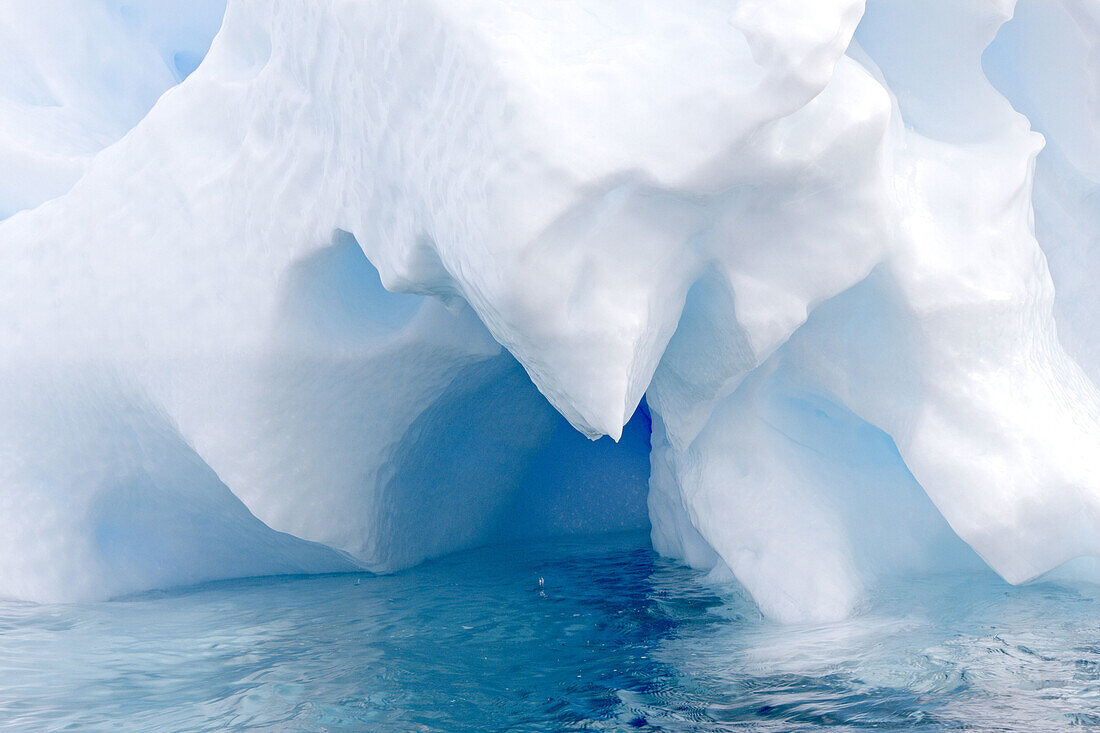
[{"x": 489, "y": 460}]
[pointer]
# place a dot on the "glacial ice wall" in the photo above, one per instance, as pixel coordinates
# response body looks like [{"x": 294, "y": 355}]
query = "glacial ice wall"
[{"x": 353, "y": 291}]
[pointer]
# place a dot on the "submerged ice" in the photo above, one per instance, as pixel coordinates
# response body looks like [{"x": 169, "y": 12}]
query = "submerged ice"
[{"x": 356, "y": 289}]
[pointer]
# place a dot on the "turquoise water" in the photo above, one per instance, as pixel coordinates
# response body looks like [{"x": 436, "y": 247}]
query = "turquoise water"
[{"x": 586, "y": 634}]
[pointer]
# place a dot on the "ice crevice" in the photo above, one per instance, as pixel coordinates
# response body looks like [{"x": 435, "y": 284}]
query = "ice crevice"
[{"x": 358, "y": 290}]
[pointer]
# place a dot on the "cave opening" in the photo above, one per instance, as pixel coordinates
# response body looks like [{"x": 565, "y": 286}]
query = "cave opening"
[{"x": 485, "y": 459}]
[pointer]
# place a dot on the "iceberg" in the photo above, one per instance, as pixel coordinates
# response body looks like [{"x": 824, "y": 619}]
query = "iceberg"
[{"x": 359, "y": 287}]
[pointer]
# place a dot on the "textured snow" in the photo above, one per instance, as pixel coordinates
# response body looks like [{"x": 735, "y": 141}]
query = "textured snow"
[{"x": 336, "y": 299}]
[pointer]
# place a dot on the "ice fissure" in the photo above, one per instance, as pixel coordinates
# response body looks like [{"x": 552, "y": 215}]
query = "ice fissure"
[{"x": 359, "y": 287}]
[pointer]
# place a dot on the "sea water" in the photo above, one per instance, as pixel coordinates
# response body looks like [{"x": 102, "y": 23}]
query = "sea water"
[{"x": 580, "y": 634}]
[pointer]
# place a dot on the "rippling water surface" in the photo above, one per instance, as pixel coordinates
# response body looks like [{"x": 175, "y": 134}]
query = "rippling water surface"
[{"x": 594, "y": 634}]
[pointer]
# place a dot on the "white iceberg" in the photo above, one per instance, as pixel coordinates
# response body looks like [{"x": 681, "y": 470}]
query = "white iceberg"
[{"x": 292, "y": 298}]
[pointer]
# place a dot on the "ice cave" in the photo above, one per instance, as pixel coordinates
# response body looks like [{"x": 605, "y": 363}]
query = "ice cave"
[{"x": 805, "y": 290}]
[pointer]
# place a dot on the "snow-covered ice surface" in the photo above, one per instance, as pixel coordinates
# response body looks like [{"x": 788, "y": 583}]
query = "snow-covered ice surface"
[{"x": 355, "y": 289}]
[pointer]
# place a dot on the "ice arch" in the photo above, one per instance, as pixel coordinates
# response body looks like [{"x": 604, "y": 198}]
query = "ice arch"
[
  {"x": 395, "y": 429},
  {"x": 963, "y": 367},
  {"x": 801, "y": 229},
  {"x": 371, "y": 431}
]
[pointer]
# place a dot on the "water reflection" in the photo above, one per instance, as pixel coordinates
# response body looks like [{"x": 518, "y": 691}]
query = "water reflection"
[{"x": 613, "y": 638}]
